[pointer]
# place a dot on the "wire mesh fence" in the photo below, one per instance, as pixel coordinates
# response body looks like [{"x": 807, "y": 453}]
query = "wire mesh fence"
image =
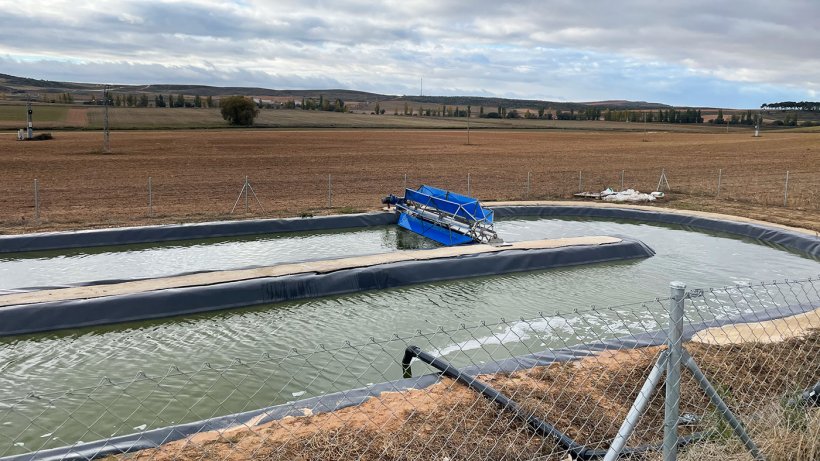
[
  {"x": 205, "y": 195},
  {"x": 550, "y": 386}
]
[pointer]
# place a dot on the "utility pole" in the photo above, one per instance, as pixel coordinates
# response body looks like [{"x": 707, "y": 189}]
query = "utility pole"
[
  {"x": 106, "y": 146},
  {"x": 759, "y": 120},
  {"x": 29, "y": 125},
  {"x": 644, "y": 127},
  {"x": 468, "y": 125}
]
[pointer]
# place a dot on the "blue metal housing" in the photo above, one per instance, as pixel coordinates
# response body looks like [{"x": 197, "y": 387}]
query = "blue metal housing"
[{"x": 444, "y": 216}]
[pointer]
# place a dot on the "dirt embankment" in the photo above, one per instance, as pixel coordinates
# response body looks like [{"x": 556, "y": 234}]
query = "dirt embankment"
[
  {"x": 197, "y": 175},
  {"x": 585, "y": 399}
]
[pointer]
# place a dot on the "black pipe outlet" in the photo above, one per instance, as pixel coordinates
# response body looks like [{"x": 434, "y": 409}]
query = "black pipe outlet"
[
  {"x": 576, "y": 450},
  {"x": 540, "y": 427}
]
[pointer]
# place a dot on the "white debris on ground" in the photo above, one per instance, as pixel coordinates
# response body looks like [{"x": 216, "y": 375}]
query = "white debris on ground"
[{"x": 629, "y": 195}]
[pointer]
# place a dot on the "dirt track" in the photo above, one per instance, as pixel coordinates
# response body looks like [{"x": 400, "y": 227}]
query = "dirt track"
[{"x": 197, "y": 175}]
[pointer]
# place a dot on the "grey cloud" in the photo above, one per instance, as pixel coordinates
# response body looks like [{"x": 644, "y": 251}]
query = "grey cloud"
[{"x": 478, "y": 44}]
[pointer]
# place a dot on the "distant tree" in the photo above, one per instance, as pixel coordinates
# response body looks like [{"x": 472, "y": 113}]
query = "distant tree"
[
  {"x": 378, "y": 109},
  {"x": 143, "y": 100},
  {"x": 159, "y": 101},
  {"x": 180, "y": 102},
  {"x": 209, "y": 101},
  {"x": 197, "y": 101},
  {"x": 719, "y": 119},
  {"x": 118, "y": 101},
  {"x": 481, "y": 111},
  {"x": 238, "y": 110},
  {"x": 170, "y": 101},
  {"x": 541, "y": 112}
]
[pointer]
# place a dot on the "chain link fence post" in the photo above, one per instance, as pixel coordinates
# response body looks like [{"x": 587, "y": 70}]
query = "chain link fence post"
[
  {"x": 786, "y": 191},
  {"x": 150, "y": 198},
  {"x": 329, "y": 191},
  {"x": 36, "y": 202},
  {"x": 673, "y": 366}
]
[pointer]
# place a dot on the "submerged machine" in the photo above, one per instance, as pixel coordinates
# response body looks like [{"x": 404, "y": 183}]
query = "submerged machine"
[{"x": 444, "y": 216}]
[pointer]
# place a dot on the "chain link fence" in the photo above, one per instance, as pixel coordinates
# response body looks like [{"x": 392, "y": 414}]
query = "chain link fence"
[
  {"x": 202, "y": 196},
  {"x": 584, "y": 384}
]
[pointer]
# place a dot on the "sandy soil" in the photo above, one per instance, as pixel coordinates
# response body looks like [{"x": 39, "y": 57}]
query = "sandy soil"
[
  {"x": 585, "y": 399},
  {"x": 763, "y": 332},
  {"x": 197, "y": 175}
]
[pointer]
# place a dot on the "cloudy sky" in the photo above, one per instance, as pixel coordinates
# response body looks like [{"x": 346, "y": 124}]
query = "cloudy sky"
[{"x": 706, "y": 53}]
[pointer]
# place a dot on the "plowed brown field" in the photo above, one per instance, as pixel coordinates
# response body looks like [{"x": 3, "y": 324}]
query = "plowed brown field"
[{"x": 197, "y": 175}]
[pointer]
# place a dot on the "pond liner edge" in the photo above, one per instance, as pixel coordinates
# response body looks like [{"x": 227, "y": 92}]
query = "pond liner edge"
[
  {"x": 46, "y": 316},
  {"x": 327, "y": 403}
]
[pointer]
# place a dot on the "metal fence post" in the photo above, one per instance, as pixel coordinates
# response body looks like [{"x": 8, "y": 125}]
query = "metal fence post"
[
  {"x": 329, "y": 191},
  {"x": 405, "y": 183},
  {"x": 245, "y": 188},
  {"x": 786, "y": 191},
  {"x": 36, "y": 202},
  {"x": 580, "y": 182},
  {"x": 638, "y": 408},
  {"x": 720, "y": 176},
  {"x": 468, "y": 184},
  {"x": 622, "y": 180},
  {"x": 529, "y": 175},
  {"x": 673, "y": 367},
  {"x": 150, "y": 198}
]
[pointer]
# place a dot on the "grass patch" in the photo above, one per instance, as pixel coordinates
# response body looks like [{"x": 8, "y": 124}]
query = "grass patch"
[{"x": 17, "y": 113}]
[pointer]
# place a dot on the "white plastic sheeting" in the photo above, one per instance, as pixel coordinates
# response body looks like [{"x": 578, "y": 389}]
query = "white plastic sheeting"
[{"x": 629, "y": 195}]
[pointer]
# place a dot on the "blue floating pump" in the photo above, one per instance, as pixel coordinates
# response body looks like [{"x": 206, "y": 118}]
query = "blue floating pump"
[{"x": 444, "y": 216}]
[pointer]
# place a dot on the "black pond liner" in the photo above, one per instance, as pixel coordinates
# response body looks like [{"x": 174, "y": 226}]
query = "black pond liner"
[
  {"x": 172, "y": 232},
  {"x": 796, "y": 241},
  {"x": 144, "y": 305},
  {"x": 792, "y": 240}
]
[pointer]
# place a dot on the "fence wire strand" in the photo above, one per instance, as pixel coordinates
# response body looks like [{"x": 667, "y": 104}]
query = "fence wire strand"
[{"x": 579, "y": 371}]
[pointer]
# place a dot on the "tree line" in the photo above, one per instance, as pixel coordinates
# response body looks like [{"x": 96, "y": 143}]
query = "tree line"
[
  {"x": 321, "y": 104},
  {"x": 743, "y": 119},
  {"x": 142, "y": 100},
  {"x": 809, "y": 106}
]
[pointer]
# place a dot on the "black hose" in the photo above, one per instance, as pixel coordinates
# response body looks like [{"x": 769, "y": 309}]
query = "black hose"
[
  {"x": 540, "y": 427},
  {"x": 576, "y": 450}
]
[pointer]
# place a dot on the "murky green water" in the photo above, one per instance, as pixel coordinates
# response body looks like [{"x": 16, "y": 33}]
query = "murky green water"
[{"x": 273, "y": 354}]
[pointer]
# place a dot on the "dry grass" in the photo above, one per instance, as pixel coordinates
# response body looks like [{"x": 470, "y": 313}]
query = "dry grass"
[
  {"x": 585, "y": 399},
  {"x": 781, "y": 433}
]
